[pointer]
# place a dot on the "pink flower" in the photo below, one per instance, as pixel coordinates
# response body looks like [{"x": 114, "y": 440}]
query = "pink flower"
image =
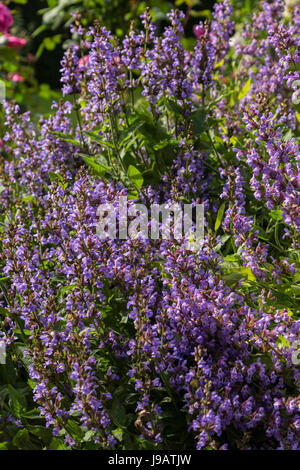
[
  {"x": 6, "y": 19},
  {"x": 15, "y": 77},
  {"x": 13, "y": 41},
  {"x": 30, "y": 57},
  {"x": 1, "y": 144},
  {"x": 84, "y": 60},
  {"x": 198, "y": 31}
]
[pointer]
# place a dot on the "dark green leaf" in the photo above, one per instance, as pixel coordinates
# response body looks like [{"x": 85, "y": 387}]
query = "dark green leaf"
[{"x": 199, "y": 122}]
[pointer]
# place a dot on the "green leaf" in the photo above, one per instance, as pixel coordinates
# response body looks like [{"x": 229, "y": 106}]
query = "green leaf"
[
  {"x": 151, "y": 176},
  {"x": 288, "y": 135},
  {"x": 282, "y": 342},
  {"x": 219, "y": 216},
  {"x": 16, "y": 401},
  {"x": 66, "y": 138},
  {"x": 56, "y": 444},
  {"x": 32, "y": 414},
  {"x": 152, "y": 133},
  {"x": 295, "y": 290},
  {"x": 118, "y": 434},
  {"x": 235, "y": 275},
  {"x": 98, "y": 168},
  {"x": 235, "y": 257},
  {"x": 245, "y": 89},
  {"x": 55, "y": 176},
  {"x": 129, "y": 132},
  {"x": 219, "y": 64},
  {"x": 118, "y": 413},
  {"x": 22, "y": 440},
  {"x": 4, "y": 311},
  {"x": 28, "y": 198},
  {"x": 89, "y": 436},
  {"x": 31, "y": 383},
  {"x": 98, "y": 139},
  {"x": 51, "y": 15},
  {"x": 232, "y": 278},
  {"x": 41, "y": 432},
  {"x": 221, "y": 97},
  {"x": 38, "y": 31},
  {"x": 161, "y": 145},
  {"x": 74, "y": 429},
  {"x": 261, "y": 233},
  {"x": 63, "y": 290},
  {"x": 172, "y": 106},
  {"x": 127, "y": 145},
  {"x": 127, "y": 159},
  {"x": 135, "y": 176},
  {"x": 50, "y": 44},
  {"x": 276, "y": 214},
  {"x": 199, "y": 122}
]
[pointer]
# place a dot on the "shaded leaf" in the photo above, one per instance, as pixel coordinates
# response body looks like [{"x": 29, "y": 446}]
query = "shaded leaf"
[{"x": 135, "y": 176}]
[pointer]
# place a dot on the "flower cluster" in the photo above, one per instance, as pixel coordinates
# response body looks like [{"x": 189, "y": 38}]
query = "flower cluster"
[{"x": 143, "y": 342}]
